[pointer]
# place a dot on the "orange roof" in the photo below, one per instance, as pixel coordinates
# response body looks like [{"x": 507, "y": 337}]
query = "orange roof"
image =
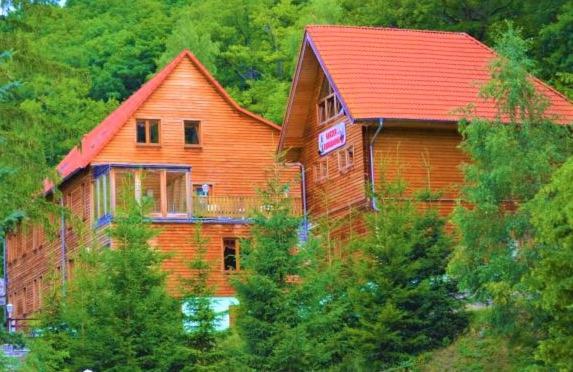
[
  {"x": 410, "y": 74},
  {"x": 93, "y": 142}
]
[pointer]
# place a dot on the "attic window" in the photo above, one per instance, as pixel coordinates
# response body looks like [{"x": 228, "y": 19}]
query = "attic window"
[
  {"x": 147, "y": 131},
  {"x": 328, "y": 106}
]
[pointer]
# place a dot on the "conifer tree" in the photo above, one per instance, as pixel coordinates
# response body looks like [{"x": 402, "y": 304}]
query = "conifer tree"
[
  {"x": 269, "y": 318},
  {"x": 201, "y": 337},
  {"x": 116, "y": 314},
  {"x": 400, "y": 300}
]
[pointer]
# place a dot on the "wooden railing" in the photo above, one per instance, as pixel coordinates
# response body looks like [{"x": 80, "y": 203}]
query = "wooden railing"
[{"x": 237, "y": 207}]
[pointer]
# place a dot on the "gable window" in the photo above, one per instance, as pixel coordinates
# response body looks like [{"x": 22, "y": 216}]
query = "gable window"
[
  {"x": 230, "y": 254},
  {"x": 147, "y": 131},
  {"x": 192, "y": 133},
  {"x": 328, "y": 106},
  {"x": 346, "y": 159},
  {"x": 321, "y": 170}
]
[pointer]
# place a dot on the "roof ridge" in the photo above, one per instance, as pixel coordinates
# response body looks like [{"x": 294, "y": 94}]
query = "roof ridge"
[{"x": 386, "y": 28}]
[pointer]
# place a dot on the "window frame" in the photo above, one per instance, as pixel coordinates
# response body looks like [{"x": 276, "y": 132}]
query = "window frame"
[
  {"x": 323, "y": 102},
  {"x": 344, "y": 154},
  {"x": 136, "y": 175},
  {"x": 237, "y": 254},
  {"x": 147, "y": 123},
  {"x": 199, "y": 144},
  {"x": 318, "y": 177}
]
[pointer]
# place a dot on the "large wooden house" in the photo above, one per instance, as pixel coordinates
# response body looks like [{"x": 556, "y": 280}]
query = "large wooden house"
[
  {"x": 180, "y": 140},
  {"x": 371, "y": 102}
]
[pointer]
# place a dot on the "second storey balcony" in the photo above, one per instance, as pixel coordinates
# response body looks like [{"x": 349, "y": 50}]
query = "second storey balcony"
[{"x": 173, "y": 195}]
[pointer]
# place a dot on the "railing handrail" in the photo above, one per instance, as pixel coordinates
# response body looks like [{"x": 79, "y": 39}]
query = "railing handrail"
[{"x": 232, "y": 206}]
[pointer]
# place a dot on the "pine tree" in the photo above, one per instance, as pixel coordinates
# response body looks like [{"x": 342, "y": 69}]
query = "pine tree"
[
  {"x": 269, "y": 318},
  {"x": 400, "y": 300},
  {"x": 116, "y": 313},
  {"x": 201, "y": 337}
]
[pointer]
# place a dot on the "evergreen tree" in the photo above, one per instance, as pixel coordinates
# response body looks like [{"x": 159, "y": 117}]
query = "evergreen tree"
[
  {"x": 269, "y": 315},
  {"x": 201, "y": 336},
  {"x": 400, "y": 299},
  {"x": 116, "y": 314}
]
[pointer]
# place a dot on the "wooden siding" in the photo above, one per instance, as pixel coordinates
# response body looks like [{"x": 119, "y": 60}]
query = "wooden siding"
[
  {"x": 177, "y": 240},
  {"x": 424, "y": 155},
  {"x": 340, "y": 189},
  {"x": 34, "y": 255}
]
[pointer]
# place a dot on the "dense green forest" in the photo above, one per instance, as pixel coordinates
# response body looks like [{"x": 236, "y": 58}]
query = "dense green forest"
[{"x": 401, "y": 296}]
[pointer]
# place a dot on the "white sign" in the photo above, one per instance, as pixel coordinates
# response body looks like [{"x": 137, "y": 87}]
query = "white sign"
[{"x": 332, "y": 138}]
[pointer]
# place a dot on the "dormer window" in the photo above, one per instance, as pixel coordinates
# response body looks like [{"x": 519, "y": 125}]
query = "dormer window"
[
  {"x": 147, "y": 131},
  {"x": 328, "y": 106}
]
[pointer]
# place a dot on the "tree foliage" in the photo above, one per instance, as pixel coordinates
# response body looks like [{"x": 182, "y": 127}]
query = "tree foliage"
[
  {"x": 552, "y": 279},
  {"x": 401, "y": 299},
  {"x": 116, "y": 314},
  {"x": 512, "y": 158}
]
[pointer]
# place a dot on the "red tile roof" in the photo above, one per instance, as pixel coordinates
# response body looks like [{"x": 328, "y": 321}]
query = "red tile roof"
[
  {"x": 411, "y": 74},
  {"x": 93, "y": 142}
]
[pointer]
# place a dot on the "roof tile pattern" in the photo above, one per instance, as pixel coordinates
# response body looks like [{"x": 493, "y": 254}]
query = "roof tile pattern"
[{"x": 411, "y": 74}]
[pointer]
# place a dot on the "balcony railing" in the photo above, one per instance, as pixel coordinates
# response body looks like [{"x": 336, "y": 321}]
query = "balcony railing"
[{"x": 235, "y": 207}]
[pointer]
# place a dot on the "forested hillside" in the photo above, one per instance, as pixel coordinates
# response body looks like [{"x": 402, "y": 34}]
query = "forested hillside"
[{"x": 92, "y": 54}]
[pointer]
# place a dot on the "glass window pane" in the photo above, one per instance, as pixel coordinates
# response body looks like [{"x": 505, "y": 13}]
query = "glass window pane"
[
  {"x": 140, "y": 131},
  {"x": 191, "y": 133},
  {"x": 100, "y": 211},
  {"x": 154, "y": 131},
  {"x": 230, "y": 254},
  {"x": 176, "y": 192},
  {"x": 151, "y": 189},
  {"x": 124, "y": 188}
]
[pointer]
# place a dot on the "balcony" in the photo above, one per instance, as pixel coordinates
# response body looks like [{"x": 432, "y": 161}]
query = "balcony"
[{"x": 233, "y": 207}]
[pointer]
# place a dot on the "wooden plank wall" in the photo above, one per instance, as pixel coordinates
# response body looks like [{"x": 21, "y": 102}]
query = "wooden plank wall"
[
  {"x": 340, "y": 190},
  {"x": 236, "y": 157},
  {"x": 424, "y": 155},
  {"x": 35, "y": 254},
  {"x": 177, "y": 240}
]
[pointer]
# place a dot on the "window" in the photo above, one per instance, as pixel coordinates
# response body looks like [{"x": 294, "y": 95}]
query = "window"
[
  {"x": 230, "y": 254},
  {"x": 101, "y": 198},
  {"x": 147, "y": 131},
  {"x": 192, "y": 133},
  {"x": 346, "y": 159},
  {"x": 328, "y": 106},
  {"x": 176, "y": 193},
  {"x": 166, "y": 190},
  {"x": 151, "y": 189},
  {"x": 321, "y": 170}
]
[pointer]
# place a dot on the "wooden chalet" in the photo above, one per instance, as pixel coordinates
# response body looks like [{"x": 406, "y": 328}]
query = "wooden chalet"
[
  {"x": 367, "y": 102},
  {"x": 180, "y": 140}
]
